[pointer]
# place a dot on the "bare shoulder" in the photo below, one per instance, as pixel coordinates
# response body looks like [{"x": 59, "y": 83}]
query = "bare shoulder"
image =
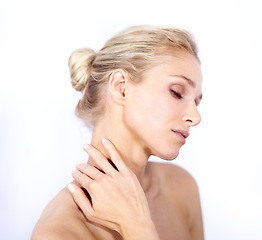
[
  {"x": 173, "y": 175},
  {"x": 61, "y": 219},
  {"x": 176, "y": 182},
  {"x": 180, "y": 189}
]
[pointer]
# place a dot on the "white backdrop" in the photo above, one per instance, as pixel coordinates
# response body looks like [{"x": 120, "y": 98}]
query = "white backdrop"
[{"x": 40, "y": 138}]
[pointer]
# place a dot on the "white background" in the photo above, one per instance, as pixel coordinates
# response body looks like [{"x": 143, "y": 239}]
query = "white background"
[{"x": 40, "y": 138}]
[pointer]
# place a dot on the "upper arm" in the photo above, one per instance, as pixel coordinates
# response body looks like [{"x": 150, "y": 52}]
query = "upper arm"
[
  {"x": 48, "y": 234},
  {"x": 58, "y": 230},
  {"x": 62, "y": 220},
  {"x": 52, "y": 232}
]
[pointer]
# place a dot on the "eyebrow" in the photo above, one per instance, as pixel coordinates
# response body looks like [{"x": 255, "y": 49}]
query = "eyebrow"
[{"x": 189, "y": 81}]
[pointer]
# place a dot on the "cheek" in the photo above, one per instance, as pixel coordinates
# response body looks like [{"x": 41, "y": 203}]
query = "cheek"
[
  {"x": 146, "y": 111},
  {"x": 150, "y": 122},
  {"x": 151, "y": 115}
]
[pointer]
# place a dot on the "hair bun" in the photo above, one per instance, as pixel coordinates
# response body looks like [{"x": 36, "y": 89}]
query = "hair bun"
[{"x": 80, "y": 63}]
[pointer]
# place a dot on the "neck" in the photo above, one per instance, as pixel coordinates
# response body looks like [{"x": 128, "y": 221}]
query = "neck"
[{"x": 130, "y": 149}]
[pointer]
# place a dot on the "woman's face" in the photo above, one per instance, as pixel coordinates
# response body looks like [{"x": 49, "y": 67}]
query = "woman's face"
[{"x": 160, "y": 110}]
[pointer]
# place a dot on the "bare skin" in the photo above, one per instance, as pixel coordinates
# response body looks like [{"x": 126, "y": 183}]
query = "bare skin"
[
  {"x": 172, "y": 198},
  {"x": 142, "y": 200}
]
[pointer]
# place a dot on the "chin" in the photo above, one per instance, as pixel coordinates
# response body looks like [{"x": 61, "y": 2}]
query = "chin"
[{"x": 168, "y": 155}]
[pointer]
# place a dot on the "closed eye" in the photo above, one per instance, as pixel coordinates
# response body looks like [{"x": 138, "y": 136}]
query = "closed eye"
[{"x": 176, "y": 94}]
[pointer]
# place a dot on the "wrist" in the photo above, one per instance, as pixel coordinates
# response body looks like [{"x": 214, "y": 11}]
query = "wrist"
[{"x": 139, "y": 231}]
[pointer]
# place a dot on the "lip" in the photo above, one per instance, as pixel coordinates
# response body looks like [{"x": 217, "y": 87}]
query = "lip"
[{"x": 181, "y": 134}]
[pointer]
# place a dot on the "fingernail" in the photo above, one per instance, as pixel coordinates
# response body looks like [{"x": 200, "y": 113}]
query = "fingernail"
[
  {"x": 86, "y": 146},
  {"x": 71, "y": 188},
  {"x": 78, "y": 164},
  {"x": 104, "y": 141}
]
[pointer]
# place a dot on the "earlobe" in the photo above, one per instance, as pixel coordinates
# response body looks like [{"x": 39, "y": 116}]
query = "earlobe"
[{"x": 117, "y": 85}]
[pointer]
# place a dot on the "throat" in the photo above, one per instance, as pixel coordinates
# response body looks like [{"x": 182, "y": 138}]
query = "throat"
[{"x": 151, "y": 182}]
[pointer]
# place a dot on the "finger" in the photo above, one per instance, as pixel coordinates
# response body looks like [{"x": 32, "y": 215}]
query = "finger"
[
  {"x": 100, "y": 159},
  {"x": 90, "y": 171},
  {"x": 81, "y": 197},
  {"x": 81, "y": 200},
  {"x": 82, "y": 179},
  {"x": 114, "y": 155}
]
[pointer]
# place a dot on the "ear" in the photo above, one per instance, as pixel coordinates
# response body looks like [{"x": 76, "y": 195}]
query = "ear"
[{"x": 118, "y": 85}]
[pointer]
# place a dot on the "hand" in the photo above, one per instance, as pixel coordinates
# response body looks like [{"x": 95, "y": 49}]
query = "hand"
[{"x": 118, "y": 200}]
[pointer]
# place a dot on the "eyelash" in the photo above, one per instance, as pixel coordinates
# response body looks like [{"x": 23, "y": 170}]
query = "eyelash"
[{"x": 177, "y": 95}]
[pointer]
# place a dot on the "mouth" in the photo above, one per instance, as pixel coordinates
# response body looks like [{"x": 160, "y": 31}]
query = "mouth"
[{"x": 182, "y": 135}]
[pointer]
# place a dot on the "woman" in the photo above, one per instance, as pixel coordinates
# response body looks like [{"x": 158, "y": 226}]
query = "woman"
[{"x": 140, "y": 94}]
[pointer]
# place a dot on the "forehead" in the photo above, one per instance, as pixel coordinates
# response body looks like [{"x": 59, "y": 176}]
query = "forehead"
[{"x": 184, "y": 66}]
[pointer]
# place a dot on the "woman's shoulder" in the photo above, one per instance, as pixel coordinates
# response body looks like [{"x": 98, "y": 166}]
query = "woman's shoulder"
[
  {"x": 61, "y": 219},
  {"x": 174, "y": 178},
  {"x": 172, "y": 170},
  {"x": 179, "y": 190}
]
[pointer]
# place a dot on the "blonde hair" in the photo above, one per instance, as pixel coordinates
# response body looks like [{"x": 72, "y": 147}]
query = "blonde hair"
[{"x": 133, "y": 50}]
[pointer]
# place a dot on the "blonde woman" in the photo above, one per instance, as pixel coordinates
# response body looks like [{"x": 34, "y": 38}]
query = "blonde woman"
[{"x": 140, "y": 94}]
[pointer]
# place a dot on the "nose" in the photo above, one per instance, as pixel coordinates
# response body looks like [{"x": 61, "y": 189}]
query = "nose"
[{"x": 192, "y": 116}]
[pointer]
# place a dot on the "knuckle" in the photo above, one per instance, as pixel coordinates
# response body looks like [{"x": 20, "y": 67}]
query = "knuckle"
[
  {"x": 91, "y": 186},
  {"x": 105, "y": 179}
]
